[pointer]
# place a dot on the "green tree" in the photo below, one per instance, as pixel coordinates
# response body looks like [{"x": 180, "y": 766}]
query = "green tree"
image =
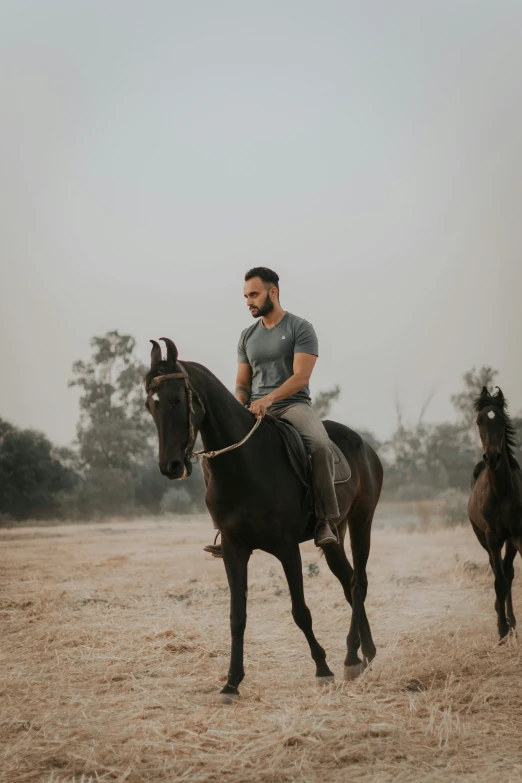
[
  {"x": 114, "y": 431},
  {"x": 324, "y": 401},
  {"x": 117, "y": 438},
  {"x": 32, "y": 476},
  {"x": 448, "y": 449},
  {"x": 115, "y": 434},
  {"x": 442, "y": 455},
  {"x": 407, "y": 445}
]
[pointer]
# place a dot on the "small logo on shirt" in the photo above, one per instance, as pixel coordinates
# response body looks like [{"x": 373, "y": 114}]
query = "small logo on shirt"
[{"x": 283, "y": 337}]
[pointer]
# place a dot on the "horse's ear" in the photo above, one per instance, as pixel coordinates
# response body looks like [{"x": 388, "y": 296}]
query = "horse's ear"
[
  {"x": 155, "y": 354},
  {"x": 499, "y": 398},
  {"x": 482, "y": 400},
  {"x": 172, "y": 351}
]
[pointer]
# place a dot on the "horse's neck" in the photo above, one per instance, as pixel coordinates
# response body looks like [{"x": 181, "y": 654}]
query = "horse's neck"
[
  {"x": 501, "y": 480},
  {"x": 225, "y": 421}
]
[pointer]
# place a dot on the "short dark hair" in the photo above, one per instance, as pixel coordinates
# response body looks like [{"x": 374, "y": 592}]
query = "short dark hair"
[{"x": 267, "y": 275}]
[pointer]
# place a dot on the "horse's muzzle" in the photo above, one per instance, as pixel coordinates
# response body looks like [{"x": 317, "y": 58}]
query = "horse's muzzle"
[{"x": 177, "y": 469}]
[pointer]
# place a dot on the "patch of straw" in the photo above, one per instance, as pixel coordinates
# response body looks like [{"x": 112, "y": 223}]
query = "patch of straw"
[{"x": 115, "y": 644}]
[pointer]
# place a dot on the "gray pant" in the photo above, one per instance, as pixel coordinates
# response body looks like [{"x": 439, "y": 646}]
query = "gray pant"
[{"x": 312, "y": 431}]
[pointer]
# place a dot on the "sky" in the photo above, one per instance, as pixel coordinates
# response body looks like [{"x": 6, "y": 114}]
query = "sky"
[{"x": 369, "y": 152}]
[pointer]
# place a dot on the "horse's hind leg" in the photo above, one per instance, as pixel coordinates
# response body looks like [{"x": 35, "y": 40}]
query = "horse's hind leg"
[
  {"x": 340, "y": 566},
  {"x": 359, "y": 526},
  {"x": 509, "y": 573},
  {"x": 293, "y": 568}
]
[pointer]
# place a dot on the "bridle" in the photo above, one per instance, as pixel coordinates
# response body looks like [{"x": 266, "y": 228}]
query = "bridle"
[{"x": 191, "y": 393}]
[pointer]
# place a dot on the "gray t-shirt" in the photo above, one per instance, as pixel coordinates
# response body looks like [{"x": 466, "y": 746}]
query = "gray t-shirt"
[{"x": 270, "y": 353}]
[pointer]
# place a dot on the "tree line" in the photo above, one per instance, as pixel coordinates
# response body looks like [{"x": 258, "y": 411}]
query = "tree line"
[{"x": 111, "y": 469}]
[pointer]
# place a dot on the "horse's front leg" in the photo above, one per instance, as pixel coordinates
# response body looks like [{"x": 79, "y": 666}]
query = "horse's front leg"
[
  {"x": 501, "y": 584},
  {"x": 236, "y": 564}
]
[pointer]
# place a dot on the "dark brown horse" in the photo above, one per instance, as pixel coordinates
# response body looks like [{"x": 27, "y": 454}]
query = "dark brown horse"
[
  {"x": 495, "y": 505},
  {"x": 258, "y": 501}
]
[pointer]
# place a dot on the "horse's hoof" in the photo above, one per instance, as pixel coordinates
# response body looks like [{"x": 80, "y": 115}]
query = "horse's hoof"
[
  {"x": 325, "y": 680},
  {"x": 352, "y": 672},
  {"x": 228, "y": 698}
]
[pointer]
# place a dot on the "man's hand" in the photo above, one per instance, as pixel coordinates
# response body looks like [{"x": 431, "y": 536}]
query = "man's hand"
[{"x": 260, "y": 407}]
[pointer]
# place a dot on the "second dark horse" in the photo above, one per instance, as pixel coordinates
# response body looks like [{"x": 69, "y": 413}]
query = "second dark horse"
[
  {"x": 259, "y": 502},
  {"x": 495, "y": 505}
]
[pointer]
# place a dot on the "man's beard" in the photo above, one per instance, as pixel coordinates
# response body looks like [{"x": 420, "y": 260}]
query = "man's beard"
[{"x": 265, "y": 309}]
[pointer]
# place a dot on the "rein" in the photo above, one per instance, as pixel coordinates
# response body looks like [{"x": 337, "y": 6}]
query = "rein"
[
  {"x": 191, "y": 414},
  {"x": 211, "y": 454}
]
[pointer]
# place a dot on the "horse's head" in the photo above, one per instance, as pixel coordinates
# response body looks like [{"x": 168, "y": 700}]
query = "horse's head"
[
  {"x": 175, "y": 408},
  {"x": 491, "y": 421}
]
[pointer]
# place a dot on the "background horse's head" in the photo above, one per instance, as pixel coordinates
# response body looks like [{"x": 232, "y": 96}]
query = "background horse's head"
[
  {"x": 493, "y": 424},
  {"x": 176, "y": 411}
]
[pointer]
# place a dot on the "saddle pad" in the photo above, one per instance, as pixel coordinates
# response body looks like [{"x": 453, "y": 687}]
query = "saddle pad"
[
  {"x": 298, "y": 455},
  {"x": 342, "y": 469},
  {"x": 294, "y": 447}
]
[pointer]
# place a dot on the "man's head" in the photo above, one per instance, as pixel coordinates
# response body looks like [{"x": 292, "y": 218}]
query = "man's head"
[{"x": 261, "y": 290}]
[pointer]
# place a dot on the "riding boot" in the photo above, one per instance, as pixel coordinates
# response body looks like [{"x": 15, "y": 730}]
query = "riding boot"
[
  {"x": 325, "y": 533},
  {"x": 214, "y": 549}
]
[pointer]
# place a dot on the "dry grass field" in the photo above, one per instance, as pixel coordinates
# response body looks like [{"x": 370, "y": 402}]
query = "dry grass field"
[{"x": 115, "y": 641}]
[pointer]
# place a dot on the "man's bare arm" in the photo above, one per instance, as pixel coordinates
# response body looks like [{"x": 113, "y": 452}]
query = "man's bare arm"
[
  {"x": 243, "y": 383},
  {"x": 304, "y": 364}
]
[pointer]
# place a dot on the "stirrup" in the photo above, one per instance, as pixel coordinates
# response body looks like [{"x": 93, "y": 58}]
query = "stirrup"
[
  {"x": 333, "y": 529},
  {"x": 214, "y": 549}
]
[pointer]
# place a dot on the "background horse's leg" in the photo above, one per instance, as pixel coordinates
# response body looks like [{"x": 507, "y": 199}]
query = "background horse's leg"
[
  {"x": 236, "y": 564},
  {"x": 339, "y": 565},
  {"x": 483, "y": 541},
  {"x": 495, "y": 550},
  {"x": 509, "y": 573},
  {"x": 293, "y": 569},
  {"x": 359, "y": 525}
]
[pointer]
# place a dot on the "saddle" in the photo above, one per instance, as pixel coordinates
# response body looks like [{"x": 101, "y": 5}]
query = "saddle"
[{"x": 300, "y": 458}]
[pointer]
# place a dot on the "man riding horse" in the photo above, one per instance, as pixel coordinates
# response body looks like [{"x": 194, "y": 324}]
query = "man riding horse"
[
  {"x": 257, "y": 493},
  {"x": 276, "y": 357}
]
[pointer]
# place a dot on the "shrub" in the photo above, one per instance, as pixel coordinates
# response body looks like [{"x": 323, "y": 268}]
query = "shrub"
[
  {"x": 453, "y": 507},
  {"x": 413, "y": 491},
  {"x": 176, "y": 500}
]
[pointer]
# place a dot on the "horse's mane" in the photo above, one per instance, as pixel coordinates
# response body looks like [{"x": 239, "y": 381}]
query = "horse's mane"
[
  {"x": 485, "y": 400},
  {"x": 164, "y": 367}
]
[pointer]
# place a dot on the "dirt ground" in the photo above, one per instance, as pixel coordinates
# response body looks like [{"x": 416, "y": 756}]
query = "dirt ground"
[{"x": 114, "y": 643}]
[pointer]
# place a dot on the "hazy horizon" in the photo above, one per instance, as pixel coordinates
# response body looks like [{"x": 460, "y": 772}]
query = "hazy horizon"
[{"x": 371, "y": 155}]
